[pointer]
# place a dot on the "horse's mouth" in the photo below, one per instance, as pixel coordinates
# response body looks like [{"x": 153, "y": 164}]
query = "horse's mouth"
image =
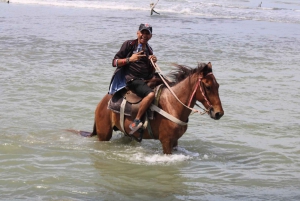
[{"x": 215, "y": 115}]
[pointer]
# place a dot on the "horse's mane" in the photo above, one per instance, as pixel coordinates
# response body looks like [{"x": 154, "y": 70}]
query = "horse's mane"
[{"x": 181, "y": 72}]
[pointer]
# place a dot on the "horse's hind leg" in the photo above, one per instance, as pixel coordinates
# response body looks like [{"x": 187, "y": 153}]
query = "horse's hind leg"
[
  {"x": 103, "y": 125},
  {"x": 104, "y": 132}
]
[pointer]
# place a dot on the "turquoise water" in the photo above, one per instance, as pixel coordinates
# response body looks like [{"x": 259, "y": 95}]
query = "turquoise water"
[{"x": 55, "y": 63}]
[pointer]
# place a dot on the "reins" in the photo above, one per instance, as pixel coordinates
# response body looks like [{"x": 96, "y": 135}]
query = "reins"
[
  {"x": 195, "y": 89},
  {"x": 198, "y": 84}
]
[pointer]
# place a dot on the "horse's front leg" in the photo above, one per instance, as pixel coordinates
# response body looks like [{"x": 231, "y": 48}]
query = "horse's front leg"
[{"x": 168, "y": 145}]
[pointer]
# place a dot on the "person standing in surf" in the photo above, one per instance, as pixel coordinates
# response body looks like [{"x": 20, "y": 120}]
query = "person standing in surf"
[{"x": 152, "y": 6}]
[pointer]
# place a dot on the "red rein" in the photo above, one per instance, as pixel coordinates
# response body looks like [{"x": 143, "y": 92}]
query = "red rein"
[{"x": 198, "y": 84}]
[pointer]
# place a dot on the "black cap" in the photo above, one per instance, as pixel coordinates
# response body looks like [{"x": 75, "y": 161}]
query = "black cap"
[{"x": 145, "y": 26}]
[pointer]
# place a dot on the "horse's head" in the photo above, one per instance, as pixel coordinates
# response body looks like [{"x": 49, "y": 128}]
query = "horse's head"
[
  {"x": 207, "y": 91},
  {"x": 203, "y": 85}
]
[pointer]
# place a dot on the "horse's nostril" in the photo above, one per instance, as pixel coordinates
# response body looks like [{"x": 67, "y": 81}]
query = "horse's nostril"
[{"x": 218, "y": 115}]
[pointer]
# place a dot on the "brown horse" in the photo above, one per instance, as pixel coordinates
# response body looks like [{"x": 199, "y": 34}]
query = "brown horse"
[{"x": 190, "y": 85}]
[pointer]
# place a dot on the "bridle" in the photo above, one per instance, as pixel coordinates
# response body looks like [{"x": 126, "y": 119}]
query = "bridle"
[
  {"x": 199, "y": 85},
  {"x": 193, "y": 94}
]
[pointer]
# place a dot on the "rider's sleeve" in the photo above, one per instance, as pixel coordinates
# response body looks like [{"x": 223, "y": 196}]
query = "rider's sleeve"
[{"x": 121, "y": 54}]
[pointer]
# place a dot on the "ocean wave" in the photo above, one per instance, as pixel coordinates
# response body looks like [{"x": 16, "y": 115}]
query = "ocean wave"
[{"x": 192, "y": 8}]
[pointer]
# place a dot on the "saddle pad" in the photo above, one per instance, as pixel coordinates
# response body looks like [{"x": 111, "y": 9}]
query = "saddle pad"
[{"x": 114, "y": 104}]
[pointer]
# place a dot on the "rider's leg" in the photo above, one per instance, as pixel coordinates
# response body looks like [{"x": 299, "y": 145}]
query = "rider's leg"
[
  {"x": 145, "y": 103},
  {"x": 142, "y": 90}
]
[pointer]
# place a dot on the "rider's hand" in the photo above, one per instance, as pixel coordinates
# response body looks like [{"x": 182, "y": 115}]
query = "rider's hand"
[
  {"x": 153, "y": 57},
  {"x": 136, "y": 56}
]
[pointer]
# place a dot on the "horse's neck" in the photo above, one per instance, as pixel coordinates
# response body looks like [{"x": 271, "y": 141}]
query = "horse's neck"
[{"x": 183, "y": 92}]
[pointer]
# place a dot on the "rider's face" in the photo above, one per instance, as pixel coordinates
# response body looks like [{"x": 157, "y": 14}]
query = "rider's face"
[{"x": 143, "y": 36}]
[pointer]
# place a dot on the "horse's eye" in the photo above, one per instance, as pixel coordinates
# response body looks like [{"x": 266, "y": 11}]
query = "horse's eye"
[{"x": 208, "y": 88}]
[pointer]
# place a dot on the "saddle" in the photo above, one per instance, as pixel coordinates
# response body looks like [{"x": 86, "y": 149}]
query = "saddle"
[
  {"x": 132, "y": 100},
  {"x": 132, "y": 103}
]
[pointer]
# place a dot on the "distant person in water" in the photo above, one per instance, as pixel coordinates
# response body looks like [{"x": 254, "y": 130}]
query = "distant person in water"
[
  {"x": 152, "y": 5},
  {"x": 260, "y": 4}
]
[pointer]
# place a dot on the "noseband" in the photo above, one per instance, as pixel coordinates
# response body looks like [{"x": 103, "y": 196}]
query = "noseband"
[{"x": 198, "y": 84}]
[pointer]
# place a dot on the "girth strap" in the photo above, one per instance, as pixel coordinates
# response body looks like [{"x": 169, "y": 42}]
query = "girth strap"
[
  {"x": 167, "y": 115},
  {"x": 122, "y": 110}
]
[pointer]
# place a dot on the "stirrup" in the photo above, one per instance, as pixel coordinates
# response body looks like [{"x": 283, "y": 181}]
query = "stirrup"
[{"x": 134, "y": 129}]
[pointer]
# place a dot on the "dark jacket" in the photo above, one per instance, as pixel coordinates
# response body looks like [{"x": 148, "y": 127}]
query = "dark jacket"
[{"x": 118, "y": 79}]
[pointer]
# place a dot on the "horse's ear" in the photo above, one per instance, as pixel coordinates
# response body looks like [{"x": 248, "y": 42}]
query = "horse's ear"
[{"x": 209, "y": 65}]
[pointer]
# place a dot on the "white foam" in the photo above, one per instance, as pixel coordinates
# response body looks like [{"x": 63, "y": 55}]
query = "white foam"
[
  {"x": 158, "y": 158},
  {"x": 140, "y": 155},
  {"x": 41, "y": 187},
  {"x": 77, "y": 4}
]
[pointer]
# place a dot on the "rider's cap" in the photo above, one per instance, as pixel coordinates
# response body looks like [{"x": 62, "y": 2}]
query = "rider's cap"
[{"x": 145, "y": 26}]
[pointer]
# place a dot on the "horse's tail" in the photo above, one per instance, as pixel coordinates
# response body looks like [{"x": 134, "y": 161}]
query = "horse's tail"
[
  {"x": 89, "y": 134},
  {"x": 94, "y": 130},
  {"x": 84, "y": 133}
]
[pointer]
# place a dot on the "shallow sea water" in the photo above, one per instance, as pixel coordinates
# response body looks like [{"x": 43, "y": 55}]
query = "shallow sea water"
[{"x": 55, "y": 63}]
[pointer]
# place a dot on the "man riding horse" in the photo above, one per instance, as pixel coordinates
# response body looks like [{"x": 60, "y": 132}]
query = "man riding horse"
[
  {"x": 173, "y": 104},
  {"x": 133, "y": 62}
]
